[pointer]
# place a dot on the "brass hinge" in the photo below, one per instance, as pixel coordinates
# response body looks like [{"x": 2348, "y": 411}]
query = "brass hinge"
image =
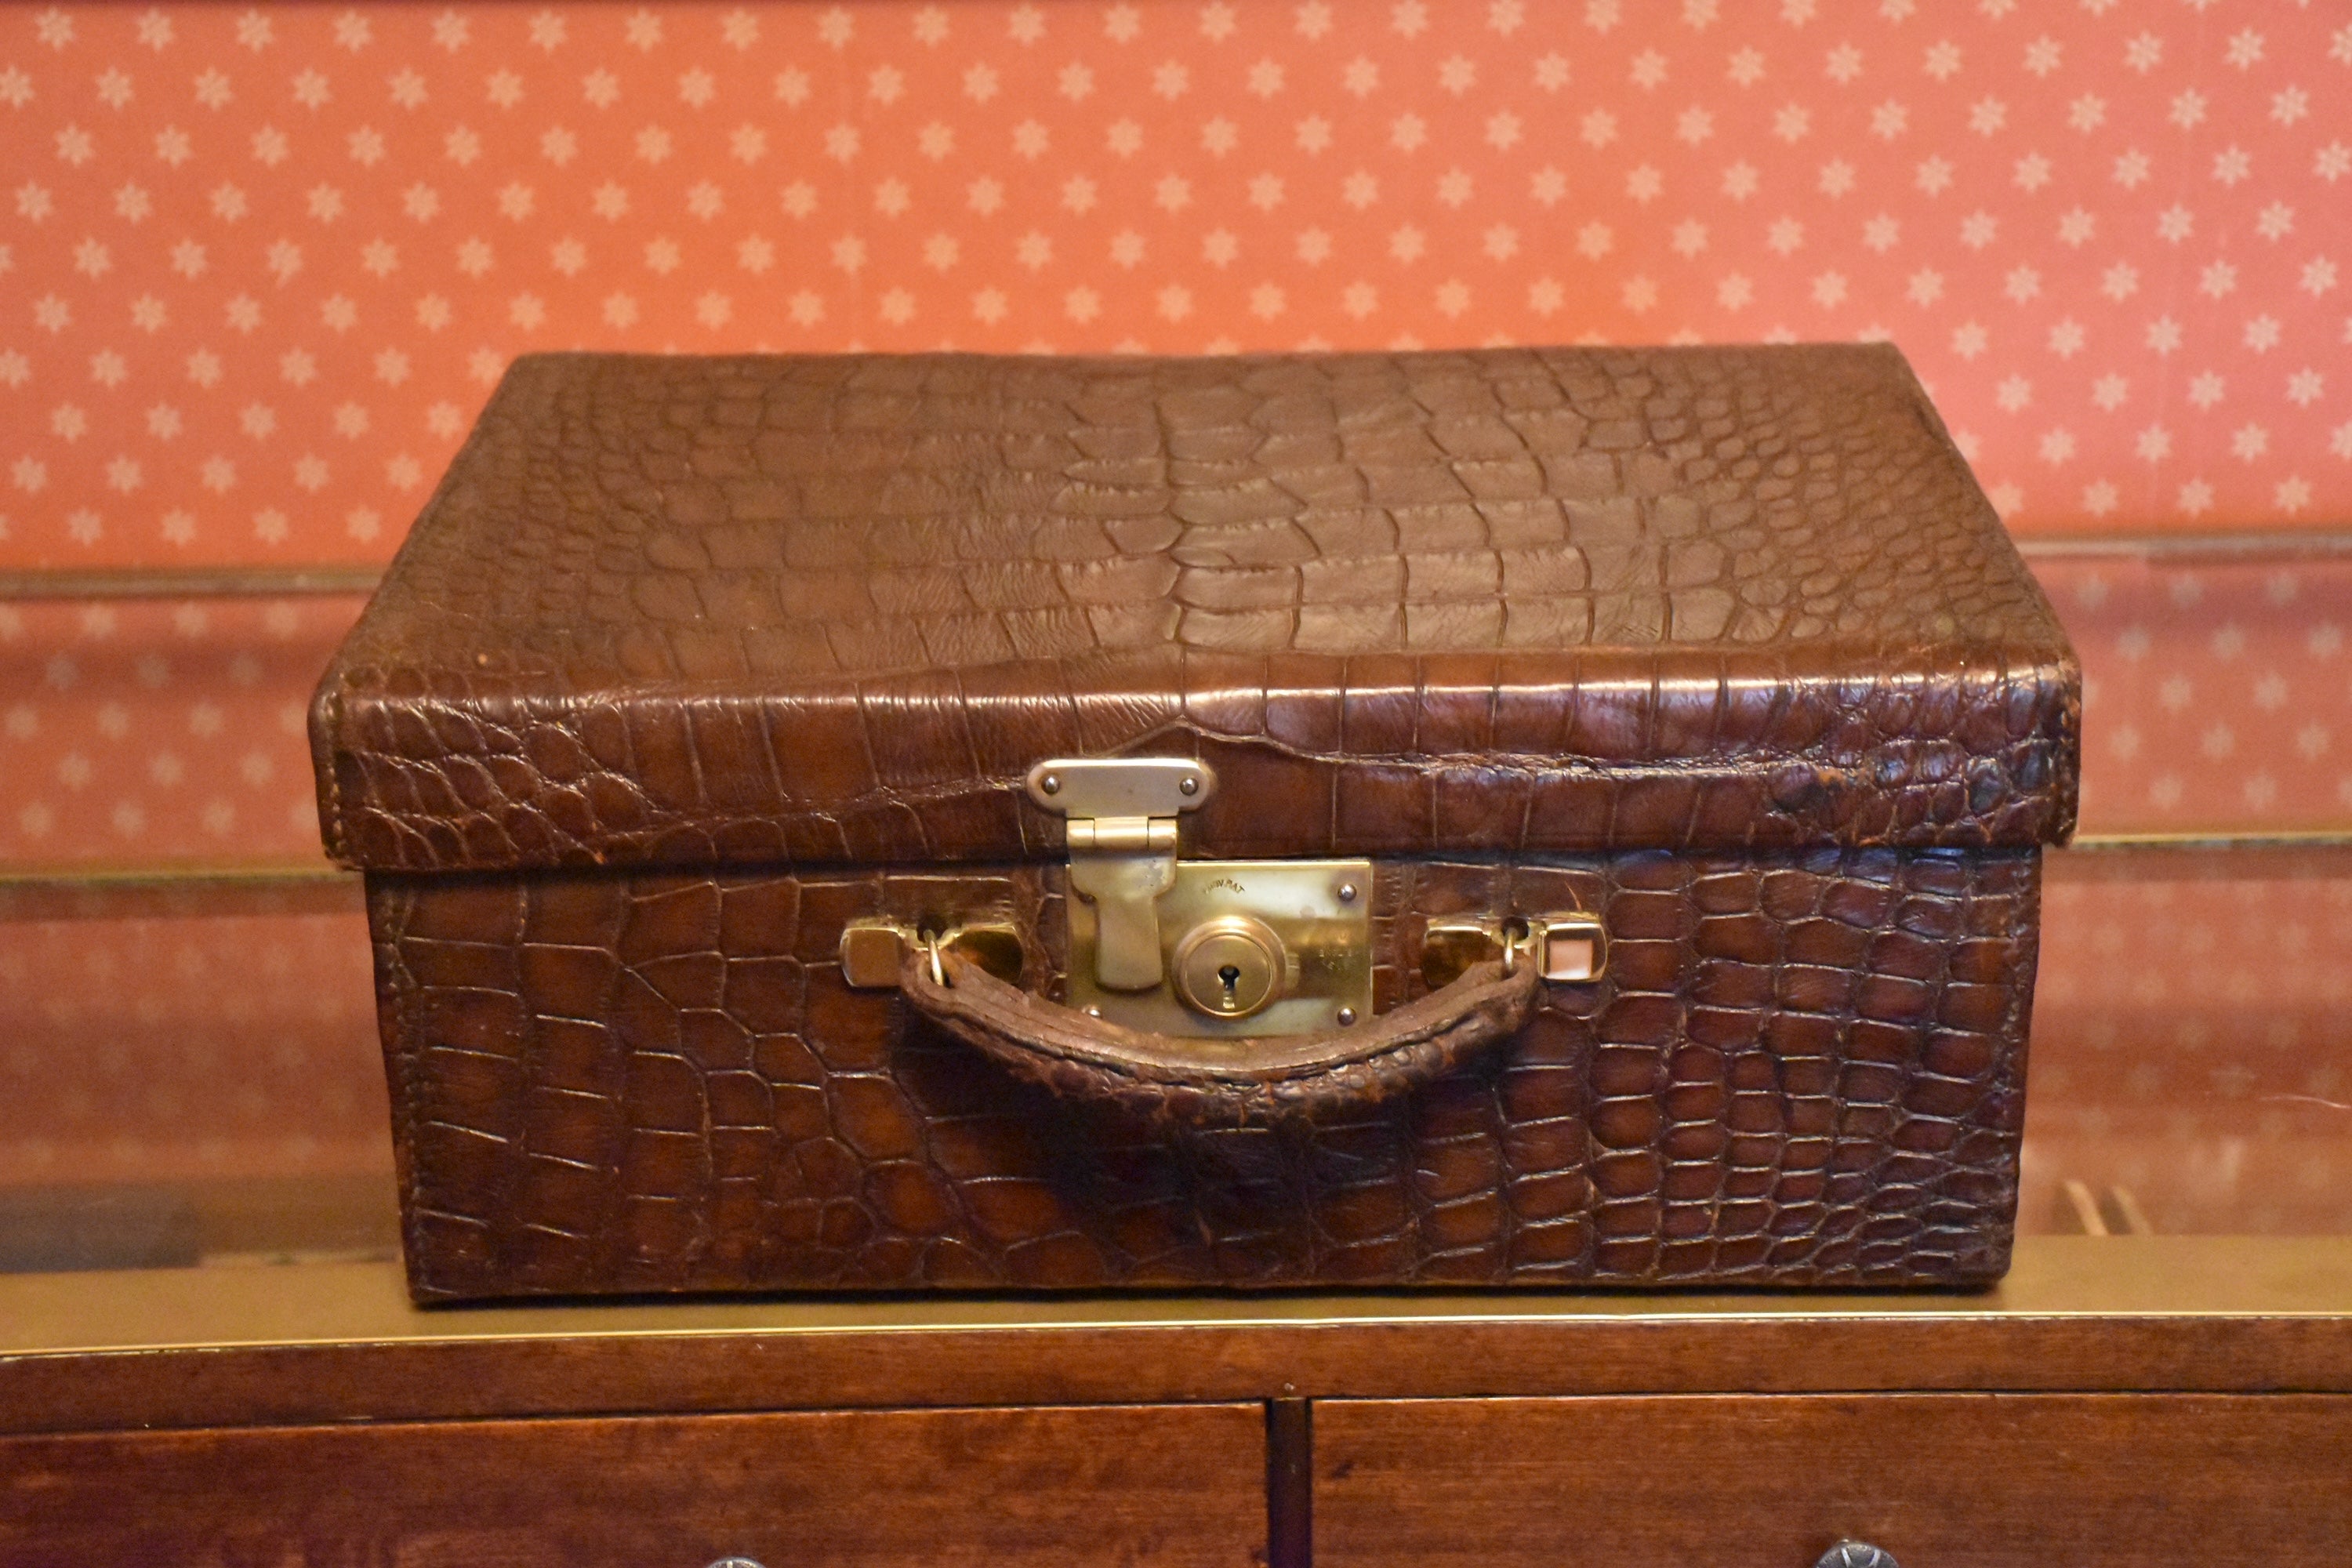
[{"x": 1121, "y": 814}]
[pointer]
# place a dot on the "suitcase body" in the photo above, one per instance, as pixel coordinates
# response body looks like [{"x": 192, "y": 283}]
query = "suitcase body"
[{"x": 1504, "y": 817}]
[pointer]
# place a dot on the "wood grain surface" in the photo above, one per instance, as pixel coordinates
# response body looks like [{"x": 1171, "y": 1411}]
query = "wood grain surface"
[
  {"x": 1939, "y": 1480},
  {"x": 1169, "y": 1488},
  {"x": 327, "y": 1342}
]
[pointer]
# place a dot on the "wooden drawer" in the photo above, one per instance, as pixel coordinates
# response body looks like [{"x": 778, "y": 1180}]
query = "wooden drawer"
[
  {"x": 1939, "y": 1480},
  {"x": 1174, "y": 1486}
]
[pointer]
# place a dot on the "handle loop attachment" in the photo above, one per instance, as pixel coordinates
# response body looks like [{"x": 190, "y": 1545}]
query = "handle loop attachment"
[{"x": 1206, "y": 1082}]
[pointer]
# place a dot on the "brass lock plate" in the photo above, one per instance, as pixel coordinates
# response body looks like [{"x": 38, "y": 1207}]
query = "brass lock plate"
[{"x": 1218, "y": 915}]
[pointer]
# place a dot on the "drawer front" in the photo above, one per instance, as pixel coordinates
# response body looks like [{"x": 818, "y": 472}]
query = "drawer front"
[
  {"x": 1939, "y": 1481},
  {"x": 1161, "y": 1485}
]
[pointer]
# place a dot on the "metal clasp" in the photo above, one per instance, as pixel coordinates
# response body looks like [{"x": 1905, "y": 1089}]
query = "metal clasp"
[
  {"x": 1208, "y": 948},
  {"x": 1199, "y": 947},
  {"x": 1122, "y": 812}
]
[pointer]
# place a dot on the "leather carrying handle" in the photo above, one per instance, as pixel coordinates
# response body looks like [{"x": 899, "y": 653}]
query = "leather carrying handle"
[{"x": 1211, "y": 1083}]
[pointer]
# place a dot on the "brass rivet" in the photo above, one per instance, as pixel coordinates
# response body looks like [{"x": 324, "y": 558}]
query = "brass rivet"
[
  {"x": 1051, "y": 784},
  {"x": 1347, "y": 892},
  {"x": 1345, "y": 1016},
  {"x": 1188, "y": 785}
]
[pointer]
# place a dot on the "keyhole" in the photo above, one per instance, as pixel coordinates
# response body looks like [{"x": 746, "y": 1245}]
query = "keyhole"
[{"x": 1232, "y": 975}]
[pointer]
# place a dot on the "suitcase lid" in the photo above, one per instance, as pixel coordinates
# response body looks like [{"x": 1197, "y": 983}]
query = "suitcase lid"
[{"x": 831, "y": 609}]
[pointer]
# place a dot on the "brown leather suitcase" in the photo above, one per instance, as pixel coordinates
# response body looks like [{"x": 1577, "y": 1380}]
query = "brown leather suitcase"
[{"x": 1520, "y": 817}]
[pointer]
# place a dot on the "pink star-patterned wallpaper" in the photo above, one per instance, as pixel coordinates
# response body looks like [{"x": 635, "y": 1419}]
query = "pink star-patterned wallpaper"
[
  {"x": 259, "y": 266},
  {"x": 263, "y": 264}
]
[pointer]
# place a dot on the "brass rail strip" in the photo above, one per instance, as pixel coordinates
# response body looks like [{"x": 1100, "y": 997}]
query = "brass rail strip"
[
  {"x": 2178, "y": 549},
  {"x": 254, "y": 874},
  {"x": 258, "y": 584},
  {"x": 2311, "y": 839}
]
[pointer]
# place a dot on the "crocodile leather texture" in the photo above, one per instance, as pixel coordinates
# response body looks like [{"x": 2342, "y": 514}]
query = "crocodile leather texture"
[
  {"x": 1801, "y": 1066},
  {"x": 699, "y": 612},
  {"x": 690, "y": 661}
]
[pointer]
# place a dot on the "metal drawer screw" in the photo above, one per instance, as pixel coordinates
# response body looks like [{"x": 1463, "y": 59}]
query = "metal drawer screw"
[
  {"x": 735, "y": 1563},
  {"x": 1856, "y": 1554}
]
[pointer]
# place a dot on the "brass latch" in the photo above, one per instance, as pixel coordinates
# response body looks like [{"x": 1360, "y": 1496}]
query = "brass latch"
[
  {"x": 1199, "y": 947},
  {"x": 1217, "y": 949},
  {"x": 1122, "y": 835}
]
